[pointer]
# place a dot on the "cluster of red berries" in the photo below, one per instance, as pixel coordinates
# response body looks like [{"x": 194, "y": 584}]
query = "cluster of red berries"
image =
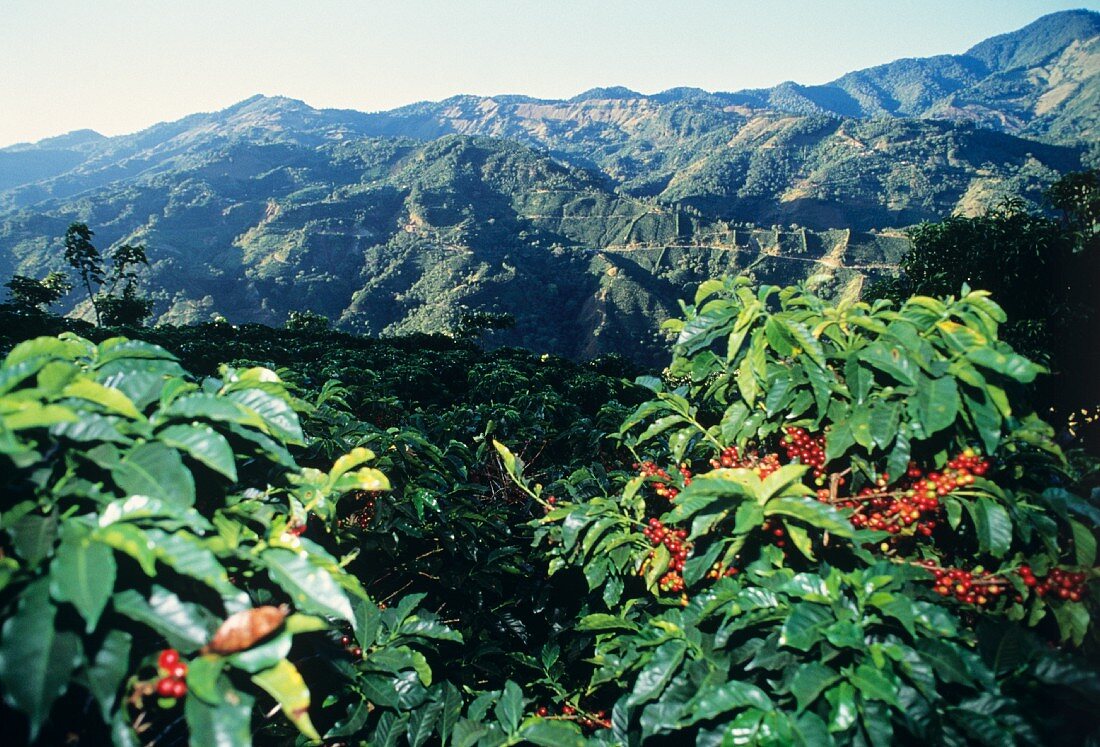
[
  {"x": 296, "y": 530},
  {"x": 807, "y": 449},
  {"x": 173, "y": 671},
  {"x": 717, "y": 571},
  {"x": 731, "y": 457},
  {"x": 353, "y": 650},
  {"x": 663, "y": 486},
  {"x": 685, "y": 473},
  {"x": 775, "y": 532},
  {"x": 675, "y": 541},
  {"x": 875, "y": 507},
  {"x": 597, "y": 720},
  {"x": 926, "y": 490},
  {"x": 982, "y": 588},
  {"x": 671, "y": 582},
  {"x": 915, "y": 501},
  {"x": 767, "y": 464},
  {"x": 1067, "y": 585},
  {"x": 971, "y": 587},
  {"x": 969, "y": 461}
]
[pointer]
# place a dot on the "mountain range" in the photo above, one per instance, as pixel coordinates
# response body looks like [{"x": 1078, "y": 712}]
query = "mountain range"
[{"x": 585, "y": 218}]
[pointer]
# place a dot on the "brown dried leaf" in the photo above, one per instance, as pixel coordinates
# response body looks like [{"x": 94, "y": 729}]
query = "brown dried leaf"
[{"x": 243, "y": 630}]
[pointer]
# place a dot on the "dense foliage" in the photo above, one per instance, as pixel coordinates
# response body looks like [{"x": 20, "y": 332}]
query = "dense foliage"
[
  {"x": 1044, "y": 270},
  {"x": 823, "y": 523},
  {"x": 229, "y": 492}
]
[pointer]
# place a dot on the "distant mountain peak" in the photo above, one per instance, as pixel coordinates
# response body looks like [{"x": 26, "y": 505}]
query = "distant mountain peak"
[
  {"x": 1038, "y": 82},
  {"x": 72, "y": 139},
  {"x": 683, "y": 93},
  {"x": 1038, "y": 41},
  {"x": 75, "y": 137},
  {"x": 610, "y": 93},
  {"x": 264, "y": 103}
]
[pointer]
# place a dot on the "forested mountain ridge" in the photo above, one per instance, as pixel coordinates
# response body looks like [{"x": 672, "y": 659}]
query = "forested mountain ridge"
[
  {"x": 391, "y": 236},
  {"x": 602, "y": 207}
]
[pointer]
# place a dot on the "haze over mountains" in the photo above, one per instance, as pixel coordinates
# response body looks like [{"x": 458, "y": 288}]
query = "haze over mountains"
[{"x": 586, "y": 218}]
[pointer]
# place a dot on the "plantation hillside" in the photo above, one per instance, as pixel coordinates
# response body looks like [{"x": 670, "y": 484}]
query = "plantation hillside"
[{"x": 822, "y": 524}]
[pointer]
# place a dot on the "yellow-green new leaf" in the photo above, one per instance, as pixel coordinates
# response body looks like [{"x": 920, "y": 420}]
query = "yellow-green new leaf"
[
  {"x": 19, "y": 416},
  {"x": 109, "y": 399},
  {"x": 284, "y": 683},
  {"x": 350, "y": 461},
  {"x": 364, "y": 478}
]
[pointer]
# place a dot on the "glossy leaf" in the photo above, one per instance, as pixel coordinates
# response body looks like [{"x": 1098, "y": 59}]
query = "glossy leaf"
[
  {"x": 313, "y": 589},
  {"x": 36, "y": 660},
  {"x": 730, "y": 696},
  {"x": 111, "y": 400},
  {"x": 227, "y": 723},
  {"x": 552, "y": 734},
  {"x": 83, "y": 573},
  {"x": 993, "y": 526},
  {"x": 186, "y": 626},
  {"x": 204, "y": 444},
  {"x": 657, "y": 673},
  {"x": 509, "y": 709},
  {"x": 155, "y": 470},
  {"x": 108, "y": 669}
]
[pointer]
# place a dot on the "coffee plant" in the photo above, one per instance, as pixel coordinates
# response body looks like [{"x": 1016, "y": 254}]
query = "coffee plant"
[
  {"x": 156, "y": 541},
  {"x": 843, "y": 526}
]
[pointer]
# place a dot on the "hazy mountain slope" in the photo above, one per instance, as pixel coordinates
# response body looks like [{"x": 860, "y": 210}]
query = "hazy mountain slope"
[
  {"x": 765, "y": 167},
  {"x": 27, "y": 163},
  {"x": 177, "y": 145},
  {"x": 1040, "y": 80}
]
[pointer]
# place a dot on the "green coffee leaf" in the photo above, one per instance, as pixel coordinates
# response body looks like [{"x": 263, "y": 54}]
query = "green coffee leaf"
[
  {"x": 552, "y": 733},
  {"x": 509, "y": 709},
  {"x": 186, "y": 626},
  {"x": 655, "y": 676},
  {"x": 156, "y": 470},
  {"x": 111, "y": 400},
  {"x": 227, "y": 723},
  {"x": 130, "y": 540},
  {"x": 810, "y": 681},
  {"x": 278, "y": 416},
  {"x": 730, "y": 696},
  {"x": 108, "y": 669},
  {"x": 992, "y": 524},
  {"x": 36, "y": 660},
  {"x": 203, "y": 444},
  {"x": 83, "y": 574},
  {"x": 313, "y": 589}
]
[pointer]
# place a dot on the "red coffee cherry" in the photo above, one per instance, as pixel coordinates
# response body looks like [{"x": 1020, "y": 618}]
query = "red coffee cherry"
[
  {"x": 166, "y": 687},
  {"x": 168, "y": 658}
]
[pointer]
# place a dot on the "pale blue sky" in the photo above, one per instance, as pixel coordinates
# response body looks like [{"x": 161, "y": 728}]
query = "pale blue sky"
[{"x": 120, "y": 65}]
